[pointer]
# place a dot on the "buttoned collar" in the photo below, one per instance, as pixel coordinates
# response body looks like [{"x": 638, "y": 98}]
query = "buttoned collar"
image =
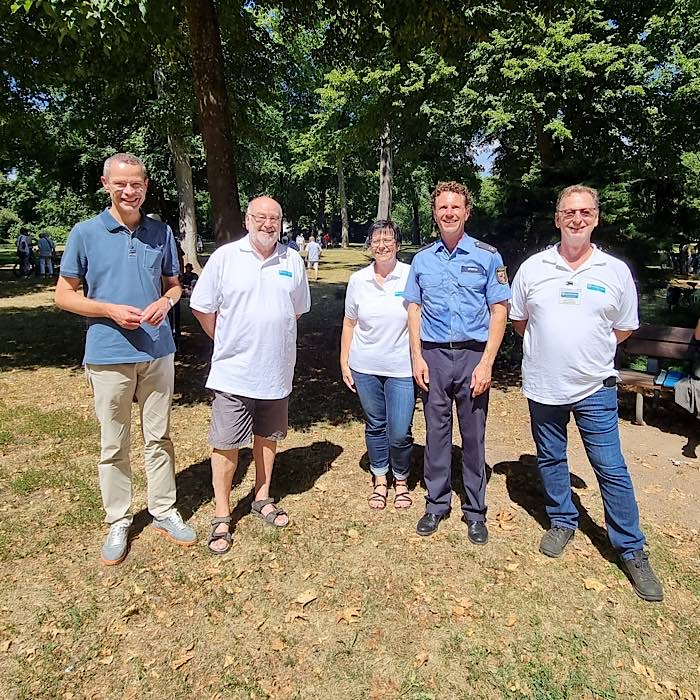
[
  {"x": 553, "y": 257},
  {"x": 464, "y": 244},
  {"x": 112, "y": 225}
]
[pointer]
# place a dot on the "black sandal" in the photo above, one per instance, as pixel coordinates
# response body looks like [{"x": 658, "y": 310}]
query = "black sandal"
[
  {"x": 378, "y": 497},
  {"x": 214, "y": 536},
  {"x": 402, "y": 501}
]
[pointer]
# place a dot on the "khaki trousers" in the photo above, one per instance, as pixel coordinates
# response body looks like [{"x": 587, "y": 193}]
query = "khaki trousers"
[{"x": 114, "y": 388}]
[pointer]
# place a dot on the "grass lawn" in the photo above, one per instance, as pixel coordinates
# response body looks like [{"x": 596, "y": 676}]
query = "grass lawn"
[{"x": 343, "y": 604}]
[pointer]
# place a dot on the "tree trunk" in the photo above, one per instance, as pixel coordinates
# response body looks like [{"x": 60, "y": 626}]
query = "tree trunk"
[
  {"x": 344, "y": 222},
  {"x": 321, "y": 218},
  {"x": 214, "y": 118},
  {"x": 415, "y": 220},
  {"x": 185, "y": 198},
  {"x": 385, "y": 175}
]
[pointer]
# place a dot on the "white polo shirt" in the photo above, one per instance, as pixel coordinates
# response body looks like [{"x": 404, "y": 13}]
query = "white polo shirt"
[
  {"x": 256, "y": 302},
  {"x": 569, "y": 345},
  {"x": 380, "y": 340}
]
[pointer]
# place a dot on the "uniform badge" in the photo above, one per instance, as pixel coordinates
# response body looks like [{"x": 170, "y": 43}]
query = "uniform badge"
[{"x": 502, "y": 275}]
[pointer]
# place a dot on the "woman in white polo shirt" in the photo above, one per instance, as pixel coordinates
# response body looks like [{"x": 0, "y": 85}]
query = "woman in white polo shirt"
[{"x": 376, "y": 363}]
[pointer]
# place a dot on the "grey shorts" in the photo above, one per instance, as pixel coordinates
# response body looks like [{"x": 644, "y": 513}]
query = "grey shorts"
[{"x": 235, "y": 419}]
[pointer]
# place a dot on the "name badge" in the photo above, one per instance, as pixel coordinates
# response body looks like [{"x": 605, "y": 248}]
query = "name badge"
[
  {"x": 285, "y": 273},
  {"x": 132, "y": 252},
  {"x": 596, "y": 288},
  {"x": 398, "y": 294},
  {"x": 569, "y": 295},
  {"x": 467, "y": 268}
]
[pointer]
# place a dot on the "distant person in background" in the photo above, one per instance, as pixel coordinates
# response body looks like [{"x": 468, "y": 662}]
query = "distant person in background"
[
  {"x": 300, "y": 242},
  {"x": 375, "y": 362},
  {"x": 24, "y": 252},
  {"x": 188, "y": 279},
  {"x": 45, "y": 255},
  {"x": 313, "y": 256},
  {"x": 573, "y": 304},
  {"x": 326, "y": 240},
  {"x": 293, "y": 244}
]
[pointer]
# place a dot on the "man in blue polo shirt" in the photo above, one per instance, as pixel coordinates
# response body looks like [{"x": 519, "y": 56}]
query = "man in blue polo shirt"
[
  {"x": 458, "y": 294},
  {"x": 127, "y": 264}
]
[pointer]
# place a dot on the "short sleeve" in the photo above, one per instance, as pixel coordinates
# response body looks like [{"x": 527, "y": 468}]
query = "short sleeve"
[
  {"x": 74, "y": 259},
  {"x": 171, "y": 265},
  {"x": 301, "y": 295},
  {"x": 627, "y": 318},
  {"x": 497, "y": 288},
  {"x": 411, "y": 292},
  {"x": 518, "y": 307},
  {"x": 205, "y": 296},
  {"x": 351, "y": 301}
]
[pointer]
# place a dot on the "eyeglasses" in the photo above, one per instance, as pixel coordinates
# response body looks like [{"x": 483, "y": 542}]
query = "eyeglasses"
[
  {"x": 261, "y": 218},
  {"x": 386, "y": 240},
  {"x": 569, "y": 214}
]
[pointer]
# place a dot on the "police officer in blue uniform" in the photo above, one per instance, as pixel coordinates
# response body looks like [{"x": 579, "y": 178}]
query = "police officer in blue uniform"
[{"x": 458, "y": 296}]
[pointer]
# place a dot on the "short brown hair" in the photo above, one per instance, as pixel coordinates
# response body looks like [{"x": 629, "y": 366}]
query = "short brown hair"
[
  {"x": 451, "y": 186},
  {"x": 578, "y": 189}
]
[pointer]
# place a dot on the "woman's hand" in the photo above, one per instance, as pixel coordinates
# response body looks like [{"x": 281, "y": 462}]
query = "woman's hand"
[{"x": 347, "y": 377}]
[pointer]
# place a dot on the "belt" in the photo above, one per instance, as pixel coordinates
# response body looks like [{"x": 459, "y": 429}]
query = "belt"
[{"x": 475, "y": 345}]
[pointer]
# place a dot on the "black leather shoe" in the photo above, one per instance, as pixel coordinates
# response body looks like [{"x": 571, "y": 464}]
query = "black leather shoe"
[
  {"x": 428, "y": 524},
  {"x": 477, "y": 532}
]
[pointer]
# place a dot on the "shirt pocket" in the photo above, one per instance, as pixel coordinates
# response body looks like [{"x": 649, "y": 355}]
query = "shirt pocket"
[
  {"x": 432, "y": 291},
  {"x": 152, "y": 258},
  {"x": 473, "y": 280}
]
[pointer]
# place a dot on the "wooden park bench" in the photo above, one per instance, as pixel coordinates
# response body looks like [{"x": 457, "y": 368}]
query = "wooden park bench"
[{"x": 657, "y": 343}]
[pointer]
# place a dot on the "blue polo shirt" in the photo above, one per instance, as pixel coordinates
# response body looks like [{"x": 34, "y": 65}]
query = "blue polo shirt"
[
  {"x": 118, "y": 266},
  {"x": 456, "y": 289}
]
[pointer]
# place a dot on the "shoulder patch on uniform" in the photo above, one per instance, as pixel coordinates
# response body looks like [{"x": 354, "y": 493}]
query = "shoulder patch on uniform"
[
  {"x": 485, "y": 246},
  {"x": 502, "y": 274}
]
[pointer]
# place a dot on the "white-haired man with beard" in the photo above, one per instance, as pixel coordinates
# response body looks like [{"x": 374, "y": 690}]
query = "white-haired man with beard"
[{"x": 248, "y": 299}]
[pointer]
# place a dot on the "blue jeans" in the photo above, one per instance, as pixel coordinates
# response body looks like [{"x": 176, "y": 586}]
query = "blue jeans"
[
  {"x": 596, "y": 419},
  {"x": 388, "y": 404}
]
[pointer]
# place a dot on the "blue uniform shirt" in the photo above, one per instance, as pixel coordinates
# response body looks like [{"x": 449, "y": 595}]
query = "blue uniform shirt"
[
  {"x": 121, "y": 267},
  {"x": 456, "y": 289}
]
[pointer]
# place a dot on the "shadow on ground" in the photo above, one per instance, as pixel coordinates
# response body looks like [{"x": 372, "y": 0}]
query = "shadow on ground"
[
  {"x": 524, "y": 487},
  {"x": 296, "y": 471}
]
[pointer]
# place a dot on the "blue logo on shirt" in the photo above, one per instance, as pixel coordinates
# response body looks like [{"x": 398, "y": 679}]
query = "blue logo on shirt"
[
  {"x": 398, "y": 294},
  {"x": 596, "y": 288},
  {"x": 285, "y": 273}
]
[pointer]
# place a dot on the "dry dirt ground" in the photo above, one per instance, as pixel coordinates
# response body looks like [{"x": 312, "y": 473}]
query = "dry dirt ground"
[{"x": 345, "y": 603}]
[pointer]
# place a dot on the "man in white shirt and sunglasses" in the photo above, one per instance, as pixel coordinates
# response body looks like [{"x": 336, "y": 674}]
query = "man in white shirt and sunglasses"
[{"x": 573, "y": 304}]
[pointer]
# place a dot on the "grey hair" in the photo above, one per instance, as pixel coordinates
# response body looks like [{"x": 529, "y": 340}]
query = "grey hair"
[
  {"x": 264, "y": 196},
  {"x": 578, "y": 189},
  {"x": 128, "y": 158}
]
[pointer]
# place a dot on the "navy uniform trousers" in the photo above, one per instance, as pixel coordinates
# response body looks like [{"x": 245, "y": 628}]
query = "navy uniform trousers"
[{"x": 450, "y": 374}]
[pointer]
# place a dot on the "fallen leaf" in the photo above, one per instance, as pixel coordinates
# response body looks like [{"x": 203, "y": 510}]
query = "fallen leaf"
[
  {"x": 421, "y": 659},
  {"x": 348, "y": 615},
  {"x": 511, "y": 567},
  {"x": 459, "y": 611},
  {"x": 179, "y": 663},
  {"x": 277, "y": 644},
  {"x": 189, "y": 647},
  {"x": 306, "y": 597},
  {"x": 295, "y": 615},
  {"x": 593, "y": 584},
  {"x": 512, "y": 621},
  {"x": 353, "y": 534},
  {"x": 229, "y": 661},
  {"x": 131, "y": 610}
]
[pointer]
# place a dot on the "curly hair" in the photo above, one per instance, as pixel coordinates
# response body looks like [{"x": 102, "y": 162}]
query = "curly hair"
[{"x": 451, "y": 186}]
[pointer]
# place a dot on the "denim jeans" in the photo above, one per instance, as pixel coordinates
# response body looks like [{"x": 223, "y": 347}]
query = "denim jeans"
[
  {"x": 597, "y": 421},
  {"x": 388, "y": 404}
]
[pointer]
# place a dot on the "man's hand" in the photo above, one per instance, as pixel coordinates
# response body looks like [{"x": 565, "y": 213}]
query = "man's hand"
[
  {"x": 347, "y": 378},
  {"x": 154, "y": 314},
  {"x": 420, "y": 372},
  {"x": 481, "y": 379},
  {"x": 128, "y": 317}
]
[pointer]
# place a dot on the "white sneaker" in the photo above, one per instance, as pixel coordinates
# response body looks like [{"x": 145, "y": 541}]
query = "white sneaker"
[
  {"x": 174, "y": 528},
  {"x": 114, "y": 547}
]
